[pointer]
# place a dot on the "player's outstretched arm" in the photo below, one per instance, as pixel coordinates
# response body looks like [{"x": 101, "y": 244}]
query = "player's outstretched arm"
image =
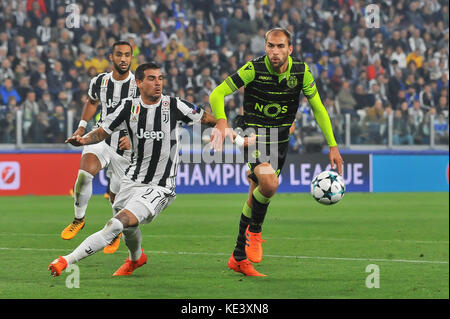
[
  {"x": 208, "y": 119},
  {"x": 221, "y": 129},
  {"x": 89, "y": 109},
  {"x": 336, "y": 160},
  {"x": 92, "y": 137}
]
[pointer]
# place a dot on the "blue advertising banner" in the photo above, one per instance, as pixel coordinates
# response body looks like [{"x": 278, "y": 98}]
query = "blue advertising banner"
[
  {"x": 296, "y": 175},
  {"x": 362, "y": 173},
  {"x": 412, "y": 173}
]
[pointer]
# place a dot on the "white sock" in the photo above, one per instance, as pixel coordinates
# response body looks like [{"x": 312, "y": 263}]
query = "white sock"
[
  {"x": 96, "y": 241},
  {"x": 133, "y": 240},
  {"x": 82, "y": 193}
]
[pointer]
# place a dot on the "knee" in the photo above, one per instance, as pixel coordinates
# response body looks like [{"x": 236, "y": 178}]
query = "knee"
[
  {"x": 268, "y": 185},
  {"x": 126, "y": 218},
  {"x": 114, "y": 226},
  {"x": 84, "y": 177}
]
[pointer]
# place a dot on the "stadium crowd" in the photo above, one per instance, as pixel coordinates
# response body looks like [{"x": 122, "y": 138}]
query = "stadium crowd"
[{"x": 48, "y": 55}]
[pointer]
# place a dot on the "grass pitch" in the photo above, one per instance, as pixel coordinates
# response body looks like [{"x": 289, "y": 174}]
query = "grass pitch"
[{"x": 312, "y": 251}]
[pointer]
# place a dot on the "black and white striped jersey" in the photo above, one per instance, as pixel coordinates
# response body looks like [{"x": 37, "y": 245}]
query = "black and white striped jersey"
[
  {"x": 154, "y": 131},
  {"x": 110, "y": 93}
]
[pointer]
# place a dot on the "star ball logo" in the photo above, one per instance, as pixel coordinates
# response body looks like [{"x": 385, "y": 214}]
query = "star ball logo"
[{"x": 9, "y": 175}]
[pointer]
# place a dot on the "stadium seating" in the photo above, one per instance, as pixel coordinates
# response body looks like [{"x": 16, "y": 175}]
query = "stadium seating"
[{"x": 52, "y": 50}]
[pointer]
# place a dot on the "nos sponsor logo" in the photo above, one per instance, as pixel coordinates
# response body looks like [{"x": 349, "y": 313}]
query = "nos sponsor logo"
[{"x": 9, "y": 175}]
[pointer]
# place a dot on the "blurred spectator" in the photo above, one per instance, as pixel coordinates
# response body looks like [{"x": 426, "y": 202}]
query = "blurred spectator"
[
  {"x": 24, "y": 87},
  {"x": 258, "y": 43},
  {"x": 36, "y": 10},
  {"x": 426, "y": 98},
  {"x": 362, "y": 98},
  {"x": 373, "y": 120},
  {"x": 7, "y": 90},
  {"x": 442, "y": 107},
  {"x": 441, "y": 129},
  {"x": 86, "y": 46},
  {"x": 337, "y": 80},
  {"x": 46, "y": 103},
  {"x": 202, "y": 42},
  {"x": 39, "y": 131},
  {"x": 43, "y": 31},
  {"x": 158, "y": 37},
  {"x": 360, "y": 41},
  {"x": 347, "y": 103},
  {"x": 216, "y": 39},
  {"x": 204, "y": 76},
  {"x": 395, "y": 84},
  {"x": 6, "y": 70},
  {"x": 8, "y": 128},
  {"x": 415, "y": 57},
  {"x": 239, "y": 28},
  {"x": 416, "y": 43},
  {"x": 176, "y": 48},
  {"x": 402, "y": 129},
  {"x": 57, "y": 124},
  {"x": 99, "y": 61},
  {"x": 30, "y": 108}
]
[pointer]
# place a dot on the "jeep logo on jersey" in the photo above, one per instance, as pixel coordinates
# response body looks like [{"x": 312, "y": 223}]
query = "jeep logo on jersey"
[
  {"x": 9, "y": 175},
  {"x": 154, "y": 135}
]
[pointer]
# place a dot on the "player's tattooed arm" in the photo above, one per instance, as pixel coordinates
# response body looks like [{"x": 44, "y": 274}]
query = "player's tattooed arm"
[
  {"x": 208, "y": 119},
  {"x": 89, "y": 110},
  {"x": 92, "y": 137}
]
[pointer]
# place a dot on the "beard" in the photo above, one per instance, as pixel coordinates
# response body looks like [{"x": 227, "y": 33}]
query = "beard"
[{"x": 119, "y": 70}]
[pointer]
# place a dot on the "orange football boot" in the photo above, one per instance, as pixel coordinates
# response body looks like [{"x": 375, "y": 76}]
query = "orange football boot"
[
  {"x": 129, "y": 266},
  {"x": 57, "y": 266},
  {"x": 253, "y": 246},
  {"x": 72, "y": 229},
  {"x": 244, "y": 266},
  {"x": 112, "y": 247}
]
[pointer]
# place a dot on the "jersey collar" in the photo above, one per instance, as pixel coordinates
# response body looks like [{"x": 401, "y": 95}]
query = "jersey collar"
[
  {"x": 120, "y": 81},
  {"x": 281, "y": 76},
  {"x": 151, "y": 105}
]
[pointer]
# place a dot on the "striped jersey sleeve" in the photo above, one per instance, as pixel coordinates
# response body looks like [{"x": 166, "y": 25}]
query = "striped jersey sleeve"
[
  {"x": 187, "y": 112},
  {"x": 116, "y": 121},
  {"x": 94, "y": 87}
]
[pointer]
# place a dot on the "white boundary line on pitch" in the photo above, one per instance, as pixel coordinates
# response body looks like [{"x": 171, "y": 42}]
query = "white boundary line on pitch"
[
  {"x": 406, "y": 241},
  {"x": 272, "y": 256}
]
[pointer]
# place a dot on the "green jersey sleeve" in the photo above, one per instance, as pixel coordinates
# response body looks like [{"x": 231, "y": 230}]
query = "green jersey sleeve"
[
  {"x": 232, "y": 83},
  {"x": 309, "y": 85}
]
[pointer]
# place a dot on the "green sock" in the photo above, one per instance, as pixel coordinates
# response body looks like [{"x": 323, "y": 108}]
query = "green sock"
[
  {"x": 259, "y": 210},
  {"x": 239, "y": 250}
]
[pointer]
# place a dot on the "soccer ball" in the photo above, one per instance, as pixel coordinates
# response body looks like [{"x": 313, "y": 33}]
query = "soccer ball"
[{"x": 327, "y": 187}]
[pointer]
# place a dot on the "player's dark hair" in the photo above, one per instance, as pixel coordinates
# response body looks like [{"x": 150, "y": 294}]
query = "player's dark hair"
[
  {"x": 121, "y": 42},
  {"x": 279, "y": 29},
  {"x": 139, "y": 73}
]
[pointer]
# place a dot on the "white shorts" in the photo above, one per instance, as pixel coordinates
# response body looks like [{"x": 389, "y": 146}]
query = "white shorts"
[
  {"x": 143, "y": 200},
  {"x": 115, "y": 164}
]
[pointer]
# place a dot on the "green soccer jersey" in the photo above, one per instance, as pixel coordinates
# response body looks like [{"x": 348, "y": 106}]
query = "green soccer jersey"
[{"x": 271, "y": 100}]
